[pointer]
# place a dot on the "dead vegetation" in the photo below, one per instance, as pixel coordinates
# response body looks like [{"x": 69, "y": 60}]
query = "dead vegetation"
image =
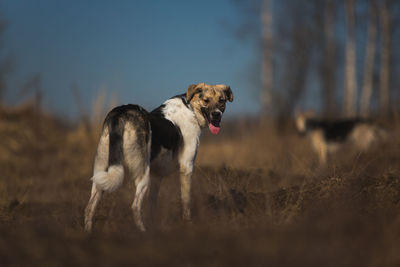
[{"x": 259, "y": 198}]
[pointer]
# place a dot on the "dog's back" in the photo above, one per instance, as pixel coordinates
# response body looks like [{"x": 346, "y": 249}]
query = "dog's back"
[{"x": 335, "y": 131}]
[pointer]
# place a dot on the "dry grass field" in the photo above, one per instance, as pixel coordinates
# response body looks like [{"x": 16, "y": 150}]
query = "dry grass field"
[{"x": 259, "y": 199}]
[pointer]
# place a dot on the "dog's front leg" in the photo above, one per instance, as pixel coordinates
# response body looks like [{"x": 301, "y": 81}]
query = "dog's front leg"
[
  {"x": 186, "y": 182},
  {"x": 186, "y": 162}
]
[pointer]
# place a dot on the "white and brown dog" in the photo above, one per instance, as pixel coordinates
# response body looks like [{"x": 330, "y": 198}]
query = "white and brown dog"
[
  {"x": 148, "y": 145},
  {"x": 329, "y": 136}
]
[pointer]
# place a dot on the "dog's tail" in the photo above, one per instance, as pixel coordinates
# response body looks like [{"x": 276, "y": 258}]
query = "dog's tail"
[{"x": 113, "y": 177}]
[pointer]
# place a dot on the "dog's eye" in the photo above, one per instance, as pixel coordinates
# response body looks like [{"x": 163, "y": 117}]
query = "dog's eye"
[
  {"x": 221, "y": 100},
  {"x": 206, "y": 100}
]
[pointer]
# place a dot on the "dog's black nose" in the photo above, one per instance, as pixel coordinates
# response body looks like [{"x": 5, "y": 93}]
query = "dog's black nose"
[{"x": 216, "y": 115}]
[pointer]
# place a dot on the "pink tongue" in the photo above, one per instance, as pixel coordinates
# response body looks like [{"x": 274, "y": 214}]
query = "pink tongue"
[{"x": 213, "y": 129}]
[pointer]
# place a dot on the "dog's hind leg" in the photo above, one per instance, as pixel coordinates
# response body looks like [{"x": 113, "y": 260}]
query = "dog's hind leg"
[
  {"x": 137, "y": 141},
  {"x": 320, "y": 146},
  {"x": 100, "y": 165},
  {"x": 91, "y": 207},
  {"x": 142, "y": 185}
]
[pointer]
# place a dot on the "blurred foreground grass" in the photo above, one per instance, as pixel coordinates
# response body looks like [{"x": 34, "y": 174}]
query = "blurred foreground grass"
[{"x": 259, "y": 198}]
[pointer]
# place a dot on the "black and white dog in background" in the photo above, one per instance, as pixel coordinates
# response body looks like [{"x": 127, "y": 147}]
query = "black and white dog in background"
[
  {"x": 148, "y": 145},
  {"x": 329, "y": 136}
]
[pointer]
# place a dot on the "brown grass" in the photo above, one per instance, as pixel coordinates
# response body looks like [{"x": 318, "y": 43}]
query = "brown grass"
[{"x": 259, "y": 198}]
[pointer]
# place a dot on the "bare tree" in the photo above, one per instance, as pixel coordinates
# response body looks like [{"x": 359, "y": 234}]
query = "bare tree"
[
  {"x": 297, "y": 68},
  {"x": 300, "y": 38},
  {"x": 6, "y": 64},
  {"x": 328, "y": 59},
  {"x": 267, "y": 55},
  {"x": 298, "y": 34},
  {"x": 386, "y": 24},
  {"x": 369, "y": 61},
  {"x": 350, "y": 94}
]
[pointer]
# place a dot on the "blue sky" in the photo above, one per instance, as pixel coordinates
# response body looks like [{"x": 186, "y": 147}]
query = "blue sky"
[{"x": 140, "y": 51}]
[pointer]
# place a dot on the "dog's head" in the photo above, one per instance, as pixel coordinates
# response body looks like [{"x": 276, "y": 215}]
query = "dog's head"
[
  {"x": 301, "y": 120},
  {"x": 208, "y": 103}
]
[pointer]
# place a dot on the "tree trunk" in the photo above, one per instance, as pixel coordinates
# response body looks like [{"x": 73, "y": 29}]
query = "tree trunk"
[
  {"x": 350, "y": 67},
  {"x": 267, "y": 56},
  {"x": 328, "y": 60},
  {"x": 369, "y": 62},
  {"x": 385, "y": 59}
]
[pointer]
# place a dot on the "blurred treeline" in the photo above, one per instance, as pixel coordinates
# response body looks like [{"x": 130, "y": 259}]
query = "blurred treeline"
[{"x": 337, "y": 56}]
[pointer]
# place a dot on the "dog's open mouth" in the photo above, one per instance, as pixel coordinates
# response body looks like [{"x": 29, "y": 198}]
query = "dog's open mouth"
[{"x": 213, "y": 125}]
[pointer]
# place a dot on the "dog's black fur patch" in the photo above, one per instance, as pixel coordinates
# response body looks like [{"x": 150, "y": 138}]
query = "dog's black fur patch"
[
  {"x": 164, "y": 133},
  {"x": 336, "y": 131}
]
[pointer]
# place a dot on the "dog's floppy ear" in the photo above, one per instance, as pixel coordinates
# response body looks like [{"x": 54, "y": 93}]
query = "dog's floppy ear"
[
  {"x": 228, "y": 93},
  {"x": 191, "y": 91}
]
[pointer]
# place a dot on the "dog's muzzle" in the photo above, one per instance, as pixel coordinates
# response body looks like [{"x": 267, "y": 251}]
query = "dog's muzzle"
[{"x": 214, "y": 120}]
